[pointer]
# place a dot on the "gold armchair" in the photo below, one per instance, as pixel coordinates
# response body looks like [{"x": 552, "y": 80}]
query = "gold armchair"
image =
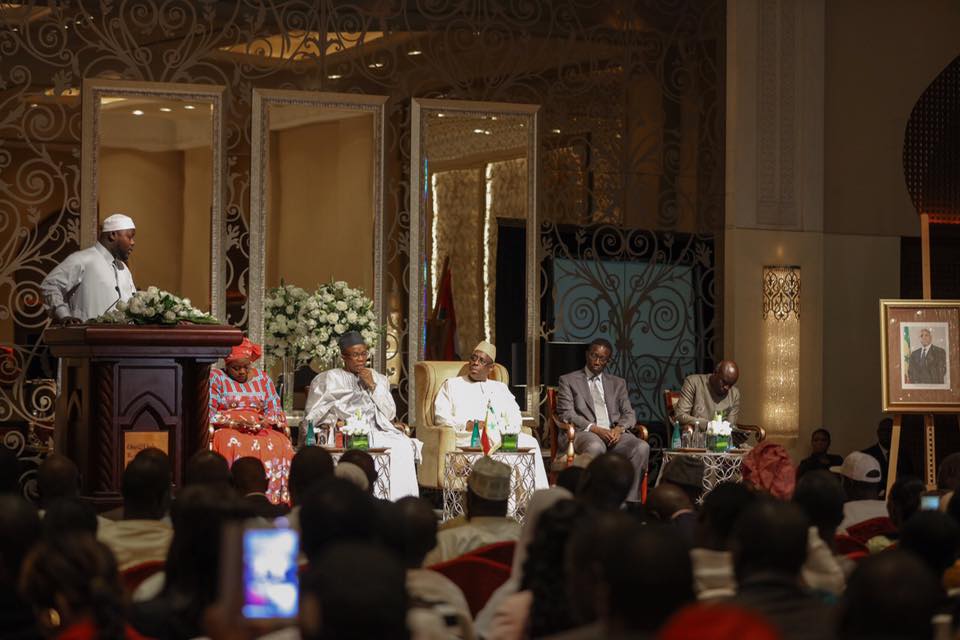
[{"x": 438, "y": 440}]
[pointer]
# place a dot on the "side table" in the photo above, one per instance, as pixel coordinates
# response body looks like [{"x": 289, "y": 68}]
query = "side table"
[
  {"x": 717, "y": 467},
  {"x": 460, "y": 463},
  {"x": 381, "y": 461}
]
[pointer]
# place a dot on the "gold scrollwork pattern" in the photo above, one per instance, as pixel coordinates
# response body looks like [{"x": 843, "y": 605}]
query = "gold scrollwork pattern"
[{"x": 781, "y": 292}]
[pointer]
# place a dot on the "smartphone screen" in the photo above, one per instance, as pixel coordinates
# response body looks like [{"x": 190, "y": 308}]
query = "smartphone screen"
[
  {"x": 930, "y": 503},
  {"x": 270, "y": 584}
]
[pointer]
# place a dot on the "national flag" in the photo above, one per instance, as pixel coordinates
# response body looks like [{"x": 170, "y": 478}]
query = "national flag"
[
  {"x": 490, "y": 436},
  {"x": 441, "y": 343},
  {"x": 905, "y": 349}
]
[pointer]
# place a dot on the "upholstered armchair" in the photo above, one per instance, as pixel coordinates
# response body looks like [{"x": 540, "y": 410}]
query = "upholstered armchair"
[{"x": 437, "y": 440}]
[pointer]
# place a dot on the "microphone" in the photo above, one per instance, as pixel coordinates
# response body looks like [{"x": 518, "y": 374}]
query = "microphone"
[{"x": 119, "y": 295}]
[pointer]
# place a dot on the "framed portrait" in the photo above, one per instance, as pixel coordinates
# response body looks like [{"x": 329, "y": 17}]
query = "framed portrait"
[{"x": 919, "y": 356}]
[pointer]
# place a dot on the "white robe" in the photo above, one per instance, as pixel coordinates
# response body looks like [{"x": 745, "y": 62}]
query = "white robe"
[
  {"x": 461, "y": 399},
  {"x": 337, "y": 395},
  {"x": 86, "y": 284}
]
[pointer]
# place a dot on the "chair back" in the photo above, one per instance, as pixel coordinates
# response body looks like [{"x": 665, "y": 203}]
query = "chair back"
[
  {"x": 430, "y": 374},
  {"x": 670, "y": 400},
  {"x": 501, "y": 552},
  {"x": 133, "y": 577},
  {"x": 477, "y": 577}
]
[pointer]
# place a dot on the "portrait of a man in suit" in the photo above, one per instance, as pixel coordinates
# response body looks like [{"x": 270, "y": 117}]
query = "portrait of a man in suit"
[{"x": 928, "y": 363}]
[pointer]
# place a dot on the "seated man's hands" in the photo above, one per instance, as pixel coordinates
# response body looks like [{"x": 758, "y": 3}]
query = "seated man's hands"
[
  {"x": 615, "y": 434},
  {"x": 366, "y": 377},
  {"x": 605, "y": 434},
  {"x": 402, "y": 426}
]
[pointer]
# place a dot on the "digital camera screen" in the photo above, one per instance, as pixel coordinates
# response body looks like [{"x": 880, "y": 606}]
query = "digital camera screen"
[{"x": 270, "y": 585}]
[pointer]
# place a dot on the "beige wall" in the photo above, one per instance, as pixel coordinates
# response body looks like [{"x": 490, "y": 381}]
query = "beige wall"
[
  {"x": 881, "y": 55},
  {"x": 321, "y": 222},
  {"x": 149, "y": 188},
  {"x": 196, "y": 243}
]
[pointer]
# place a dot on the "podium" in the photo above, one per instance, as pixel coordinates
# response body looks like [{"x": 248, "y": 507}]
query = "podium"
[{"x": 124, "y": 388}]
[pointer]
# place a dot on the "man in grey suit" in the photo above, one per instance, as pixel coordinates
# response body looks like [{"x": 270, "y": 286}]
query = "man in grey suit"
[{"x": 598, "y": 406}]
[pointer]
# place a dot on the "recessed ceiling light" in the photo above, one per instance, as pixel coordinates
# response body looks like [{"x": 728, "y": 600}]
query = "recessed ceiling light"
[
  {"x": 414, "y": 52},
  {"x": 375, "y": 65},
  {"x": 478, "y": 130},
  {"x": 493, "y": 117},
  {"x": 334, "y": 76},
  {"x": 137, "y": 112},
  {"x": 441, "y": 115},
  {"x": 189, "y": 107},
  {"x": 34, "y": 105},
  {"x": 16, "y": 30},
  {"x": 166, "y": 109},
  {"x": 556, "y": 130}
]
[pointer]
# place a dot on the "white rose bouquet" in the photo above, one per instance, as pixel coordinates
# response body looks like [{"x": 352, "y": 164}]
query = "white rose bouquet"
[
  {"x": 281, "y": 308},
  {"x": 331, "y": 311},
  {"x": 155, "y": 306}
]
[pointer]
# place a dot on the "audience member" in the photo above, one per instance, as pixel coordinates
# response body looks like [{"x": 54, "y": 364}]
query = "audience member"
[
  {"x": 541, "y": 607},
  {"x": 711, "y": 557},
  {"x": 891, "y": 595},
  {"x": 250, "y": 480},
  {"x": 606, "y": 482},
  {"x": 354, "y": 591},
  {"x": 717, "y": 622},
  {"x": 671, "y": 504},
  {"x": 353, "y": 474},
  {"x": 570, "y": 478},
  {"x": 768, "y": 468},
  {"x": 207, "y": 467},
  {"x": 425, "y": 588},
  {"x": 860, "y": 476},
  {"x": 193, "y": 562},
  {"x": 612, "y": 559},
  {"x": 540, "y": 501},
  {"x": 144, "y": 534},
  {"x": 948, "y": 472},
  {"x": 75, "y": 591},
  {"x": 819, "y": 458},
  {"x": 68, "y": 516},
  {"x": 9, "y": 472},
  {"x": 57, "y": 477},
  {"x": 819, "y": 495},
  {"x": 19, "y": 530},
  {"x": 685, "y": 472},
  {"x": 310, "y": 466},
  {"x": 769, "y": 547},
  {"x": 366, "y": 463},
  {"x": 933, "y": 537},
  {"x": 880, "y": 450},
  {"x": 488, "y": 489},
  {"x": 336, "y": 511},
  {"x": 904, "y": 499}
]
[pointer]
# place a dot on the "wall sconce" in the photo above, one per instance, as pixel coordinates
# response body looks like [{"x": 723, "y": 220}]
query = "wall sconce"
[{"x": 781, "y": 363}]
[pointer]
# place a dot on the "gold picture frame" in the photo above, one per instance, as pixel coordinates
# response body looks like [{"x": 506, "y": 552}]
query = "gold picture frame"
[{"x": 920, "y": 361}]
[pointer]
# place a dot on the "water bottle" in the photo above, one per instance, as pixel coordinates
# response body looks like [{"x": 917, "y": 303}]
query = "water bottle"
[
  {"x": 475, "y": 436},
  {"x": 675, "y": 440},
  {"x": 311, "y": 439}
]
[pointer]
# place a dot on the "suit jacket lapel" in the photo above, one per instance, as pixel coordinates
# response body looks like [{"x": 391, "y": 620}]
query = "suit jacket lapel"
[
  {"x": 582, "y": 377},
  {"x": 608, "y": 394}
]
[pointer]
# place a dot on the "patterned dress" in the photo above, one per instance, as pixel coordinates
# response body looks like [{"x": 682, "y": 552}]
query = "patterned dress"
[{"x": 248, "y": 421}]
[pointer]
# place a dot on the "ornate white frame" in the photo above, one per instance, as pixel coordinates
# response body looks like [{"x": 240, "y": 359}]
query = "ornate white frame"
[
  {"x": 420, "y": 107},
  {"x": 96, "y": 88},
  {"x": 263, "y": 99}
]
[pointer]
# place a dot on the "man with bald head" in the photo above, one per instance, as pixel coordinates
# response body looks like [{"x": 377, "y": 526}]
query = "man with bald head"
[{"x": 704, "y": 395}]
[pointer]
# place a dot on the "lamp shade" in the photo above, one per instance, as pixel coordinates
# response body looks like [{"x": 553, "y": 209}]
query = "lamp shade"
[
  {"x": 518, "y": 364},
  {"x": 560, "y": 358}
]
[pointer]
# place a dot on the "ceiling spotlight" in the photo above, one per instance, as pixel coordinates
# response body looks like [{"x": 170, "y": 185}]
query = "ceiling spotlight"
[
  {"x": 441, "y": 115},
  {"x": 137, "y": 112},
  {"x": 493, "y": 117},
  {"x": 166, "y": 109},
  {"x": 334, "y": 76},
  {"x": 556, "y": 130},
  {"x": 34, "y": 105},
  {"x": 414, "y": 52},
  {"x": 189, "y": 107},
  {"x": 375, "y": 65},
  {"x": 478, "y": 130}
]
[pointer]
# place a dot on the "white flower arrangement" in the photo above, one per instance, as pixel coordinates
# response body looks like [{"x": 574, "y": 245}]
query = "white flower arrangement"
[
  {"x": 281, "y": 327},
  {"x": 332, "y": 310},
  {"x": 155, "y": 306},
  {"x": 719, "y": 428},
  {"x": 355, "y": 426},
  {"x": 506, "y": 428}
]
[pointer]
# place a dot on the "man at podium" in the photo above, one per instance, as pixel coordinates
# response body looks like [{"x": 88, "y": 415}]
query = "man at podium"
[
  {"x": 91, "y": 281},
  {"x": 247, "y": 419}
]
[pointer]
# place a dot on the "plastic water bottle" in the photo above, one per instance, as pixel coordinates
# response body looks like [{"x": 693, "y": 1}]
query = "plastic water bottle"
[
  {"x": 675, "y": 440},
  {"x": 311, "y": 439},
  {"x": 475, "y": 436}
]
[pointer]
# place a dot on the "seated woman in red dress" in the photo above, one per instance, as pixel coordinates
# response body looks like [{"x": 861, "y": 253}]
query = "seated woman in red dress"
[{"x": 247, "y": 420}]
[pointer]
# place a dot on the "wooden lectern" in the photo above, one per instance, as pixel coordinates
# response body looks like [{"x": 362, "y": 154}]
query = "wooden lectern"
[{"x": 126, "y": 387}]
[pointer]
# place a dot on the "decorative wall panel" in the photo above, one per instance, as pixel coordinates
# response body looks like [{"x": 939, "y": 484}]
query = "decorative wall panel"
[{"x": 632, "y": 95}]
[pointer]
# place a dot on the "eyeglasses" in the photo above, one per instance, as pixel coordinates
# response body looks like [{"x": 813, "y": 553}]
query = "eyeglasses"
[
  {"x": 357, "y": 355},
  {"x": 599, "y": 358},
  {"x": 480, "y": 360}
]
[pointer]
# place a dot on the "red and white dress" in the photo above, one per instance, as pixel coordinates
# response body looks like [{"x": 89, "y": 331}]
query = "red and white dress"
[{"x": 248, "y": 421}]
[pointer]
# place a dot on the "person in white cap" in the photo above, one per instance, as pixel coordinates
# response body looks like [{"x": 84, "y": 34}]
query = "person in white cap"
[
  {"x": 92, "y": 281},
  {"x": 860, "y": 476},
  {"x": 466, "y": 398},
  {"x": 488, "y": 490}
]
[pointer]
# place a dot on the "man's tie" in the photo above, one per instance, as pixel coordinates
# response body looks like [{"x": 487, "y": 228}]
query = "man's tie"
[
  {"x": 599, "y": 406},
  {"x": 923, "y": 354}
]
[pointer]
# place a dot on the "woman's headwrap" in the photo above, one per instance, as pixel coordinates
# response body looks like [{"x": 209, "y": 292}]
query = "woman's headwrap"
[{"x": 246, "y": 350}]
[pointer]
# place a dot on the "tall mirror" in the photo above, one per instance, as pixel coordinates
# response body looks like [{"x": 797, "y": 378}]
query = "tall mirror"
[
  {"x": 473, "y": 236},
  {"x": 316, "y": 198},
  {"x": 154, "y": 151}
]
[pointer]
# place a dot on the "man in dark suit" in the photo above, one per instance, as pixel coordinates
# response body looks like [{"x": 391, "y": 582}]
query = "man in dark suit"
[
  {"x": 928, "y": 364},
  {"x": 597, "y": 405},
  {"x": 250, "y": 481}
]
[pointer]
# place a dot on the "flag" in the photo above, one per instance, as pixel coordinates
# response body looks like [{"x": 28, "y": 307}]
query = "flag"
[
  {"x": 490, "y": 436},
  {"x": 905, "y": 349},
  {"x": 441, "y": 343}
]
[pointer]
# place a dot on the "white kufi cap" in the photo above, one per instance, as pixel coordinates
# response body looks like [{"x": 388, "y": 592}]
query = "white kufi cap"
[{"x": 117, "y": 222}]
